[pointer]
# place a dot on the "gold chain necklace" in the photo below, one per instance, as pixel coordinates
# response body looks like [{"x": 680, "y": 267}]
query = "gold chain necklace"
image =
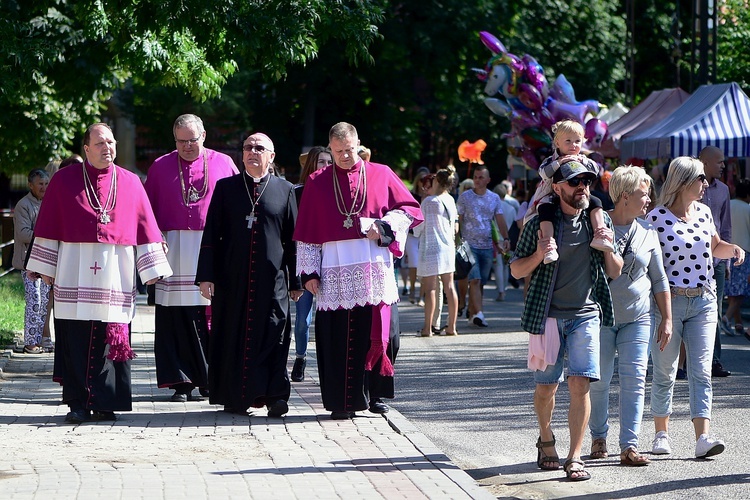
[
  {"x": 192, "y": 195},
  {"x": 93, "y": 198},
  {"x": 340, "y": 204},
  {"x": 252, "y": 218}
]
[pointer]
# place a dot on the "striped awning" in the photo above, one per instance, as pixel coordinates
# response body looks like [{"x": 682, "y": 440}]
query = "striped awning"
[{"x": 715, "y": 115}]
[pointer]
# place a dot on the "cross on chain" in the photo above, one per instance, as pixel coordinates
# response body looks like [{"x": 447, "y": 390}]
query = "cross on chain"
[
  {"x": 250, "y": 219},
  {"x": 95, "y": 267}
]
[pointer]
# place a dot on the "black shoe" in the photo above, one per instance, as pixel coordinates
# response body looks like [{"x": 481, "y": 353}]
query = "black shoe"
[
  {"x": 235, "y": 411},
  {"x": 179, "y": 397},
  {"x": 277, "y": 409},
  {"x": 103, "y": 416},
  {"x": 718, "y": 371},
  {"x": 203, "y": 391},
  {"x": 298, "y": 370},
  {"x": 377, "y": 406},
  {"x": 194, "y": 397},
  {"x": 341, "y": 415},
  {"x": 78, "y": 416},
  {"x": 681, "y": 374}
]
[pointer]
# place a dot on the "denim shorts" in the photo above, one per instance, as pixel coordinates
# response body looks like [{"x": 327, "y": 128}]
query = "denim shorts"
[
  {"x": 483, "y": 264},
  {"x": 579, "y": 340}
]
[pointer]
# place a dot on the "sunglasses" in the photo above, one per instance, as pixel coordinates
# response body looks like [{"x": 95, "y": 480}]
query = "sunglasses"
[
  {"x": 576, "y": 181},
  {"x": 702, "y": 178},
  {"x": 257, "y": 148}
]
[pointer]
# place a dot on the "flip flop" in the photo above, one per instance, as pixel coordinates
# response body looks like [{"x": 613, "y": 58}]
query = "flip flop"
[
  {"x": 576, "y": 465},
  {"x": 33, "y": 349}
]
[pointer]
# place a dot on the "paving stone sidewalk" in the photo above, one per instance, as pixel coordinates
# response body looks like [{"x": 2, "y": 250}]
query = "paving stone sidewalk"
[{"x": 191, "y": 450}]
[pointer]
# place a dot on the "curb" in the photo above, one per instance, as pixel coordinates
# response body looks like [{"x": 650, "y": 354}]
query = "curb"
[{"x": 404, "y": 427}]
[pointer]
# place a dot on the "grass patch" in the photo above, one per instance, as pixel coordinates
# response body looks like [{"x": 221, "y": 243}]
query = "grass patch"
[{"x": 12, "y": 305}]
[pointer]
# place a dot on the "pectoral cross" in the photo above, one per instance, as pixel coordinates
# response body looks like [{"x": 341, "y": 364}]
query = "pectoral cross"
[
  {"x": 95, "y": 267},
  {"x": 250, "y": 219}
]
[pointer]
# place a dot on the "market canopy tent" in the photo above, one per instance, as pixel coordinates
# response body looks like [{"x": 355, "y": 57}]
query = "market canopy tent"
[
  {"x": 715, "y": 115},
  {"x": 657, "y": 106}
]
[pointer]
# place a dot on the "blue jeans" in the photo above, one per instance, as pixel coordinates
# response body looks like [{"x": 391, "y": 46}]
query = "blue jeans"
[
  {"x": 631, "y": 341},
  {"x": 694, "y": 323},
  {"x": 302, "y": 323},
  {"x": 579, "y": 339},
  {"x": 483, "y": 264}
]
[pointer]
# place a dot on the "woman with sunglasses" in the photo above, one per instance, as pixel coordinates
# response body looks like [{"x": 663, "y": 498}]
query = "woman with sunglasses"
[
  {"x": 642, "y": 275},
  {"x": 317, "y": 158},
  {"x": 689, "y": 242}
]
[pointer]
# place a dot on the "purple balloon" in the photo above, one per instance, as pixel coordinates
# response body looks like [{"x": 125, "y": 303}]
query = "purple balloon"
[
  {"x": 562, "y": 90},
  {"x": 530, "y": 96},
  {"x": 491, "y": 42}
]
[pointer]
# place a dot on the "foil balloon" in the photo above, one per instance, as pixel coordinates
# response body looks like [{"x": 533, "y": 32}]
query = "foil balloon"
[
  {"x": 500, "y": 108},
  {"x": 534, "y": 74},
  {"x": 562, "y": 90},
  {"x": 491, "y": 42},
  {"x": 596, "y": 132},
  {"x": 536, "y": 138},
  {"x": 564, "y": 111},
  {"x": 530, "y": 96},
  {"x": 472, "y": 151}
]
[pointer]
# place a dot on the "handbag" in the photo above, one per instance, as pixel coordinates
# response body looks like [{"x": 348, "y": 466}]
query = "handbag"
[{"x": 464, "y": 260}]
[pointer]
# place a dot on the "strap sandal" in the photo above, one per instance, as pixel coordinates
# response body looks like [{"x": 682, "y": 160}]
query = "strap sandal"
[
  {"x": 576, "y": 466},
  {"x": 542, "y": 457},
  {"x": 598, "y": 449},
  {"x": 437, "y": 330},
  {"x": 631, "y": 458},
  {"x": 33, "y": 349}
]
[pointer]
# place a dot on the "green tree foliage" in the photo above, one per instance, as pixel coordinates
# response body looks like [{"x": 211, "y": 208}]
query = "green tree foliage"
[
  {"x": 62, "y": 59},
  {"x": 419, "y": 98},
  {"x": 582, "y": 39},
  {"x": 733, "y": 59}
]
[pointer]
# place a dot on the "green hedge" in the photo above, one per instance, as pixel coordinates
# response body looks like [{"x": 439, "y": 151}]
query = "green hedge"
[{"x": 12, "y": 304}]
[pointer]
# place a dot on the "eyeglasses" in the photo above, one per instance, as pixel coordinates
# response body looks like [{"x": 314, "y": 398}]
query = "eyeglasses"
[
  {"x": 702, "y": 178},
  {"x": 185, "y": 142},
  {"x": 576, "y": 181},
  {"x": 258, "y": 148}
]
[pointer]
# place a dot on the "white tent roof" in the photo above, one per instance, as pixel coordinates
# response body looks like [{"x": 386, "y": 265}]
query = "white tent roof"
[{"x": 715, "y": 115}]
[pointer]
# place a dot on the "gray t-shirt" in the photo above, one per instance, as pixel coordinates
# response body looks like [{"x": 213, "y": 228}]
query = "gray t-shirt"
[
  {"x": 642, "y": 271},
  {"x": 571, "y": 298}
]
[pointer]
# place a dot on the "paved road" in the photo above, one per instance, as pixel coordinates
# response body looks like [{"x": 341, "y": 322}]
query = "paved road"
[{"x": 471, "y": 395}]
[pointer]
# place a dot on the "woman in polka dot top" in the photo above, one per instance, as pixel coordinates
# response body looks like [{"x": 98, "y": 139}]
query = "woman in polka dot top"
[{"x": 689, "y": 242}]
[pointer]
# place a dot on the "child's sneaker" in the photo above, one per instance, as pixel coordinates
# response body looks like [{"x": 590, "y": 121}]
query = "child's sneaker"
[
  {"x": 602, "y": 244},
  {"x": 551, "y": 257}
]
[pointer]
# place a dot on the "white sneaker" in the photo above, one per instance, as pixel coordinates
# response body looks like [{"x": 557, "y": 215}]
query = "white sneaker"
[
  {"x": 551, "y": 257},
  {"x": 707, "y": 446},
  {"x": 478, "y": 320},
  {"x": 661, "y": 444}
]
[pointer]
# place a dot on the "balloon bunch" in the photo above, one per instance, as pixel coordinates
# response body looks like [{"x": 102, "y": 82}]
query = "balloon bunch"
[{"x": 531, "y": 105}]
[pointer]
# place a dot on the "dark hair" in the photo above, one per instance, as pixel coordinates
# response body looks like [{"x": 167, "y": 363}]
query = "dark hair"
[
  {"x": 71, "y": 160},
  {"x": 311, "y": 162},
  {"x": 37, "y": 172},
  {"x": 742, "y": 190},
  {"x": 446, "y": 177}
]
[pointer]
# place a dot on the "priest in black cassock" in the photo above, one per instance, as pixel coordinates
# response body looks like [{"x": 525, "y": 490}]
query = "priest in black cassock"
[{"x": 247, "y": 268}]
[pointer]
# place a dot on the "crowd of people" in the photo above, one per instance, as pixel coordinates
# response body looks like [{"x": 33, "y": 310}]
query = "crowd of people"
[{"x": 230, "y": 251}]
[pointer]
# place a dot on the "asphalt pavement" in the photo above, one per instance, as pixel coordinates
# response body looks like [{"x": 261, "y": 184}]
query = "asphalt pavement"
[{"x": 472, "y": 396}]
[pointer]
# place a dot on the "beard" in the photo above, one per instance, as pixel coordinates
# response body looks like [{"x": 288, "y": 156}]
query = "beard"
[{"x": 570, "y": 199}]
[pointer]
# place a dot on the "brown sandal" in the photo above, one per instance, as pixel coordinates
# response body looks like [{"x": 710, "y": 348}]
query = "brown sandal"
[
  {"x": 542, "y": 457},
  {"x": 631, "y": 458},
  {"x": 598, "y": 449}
]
